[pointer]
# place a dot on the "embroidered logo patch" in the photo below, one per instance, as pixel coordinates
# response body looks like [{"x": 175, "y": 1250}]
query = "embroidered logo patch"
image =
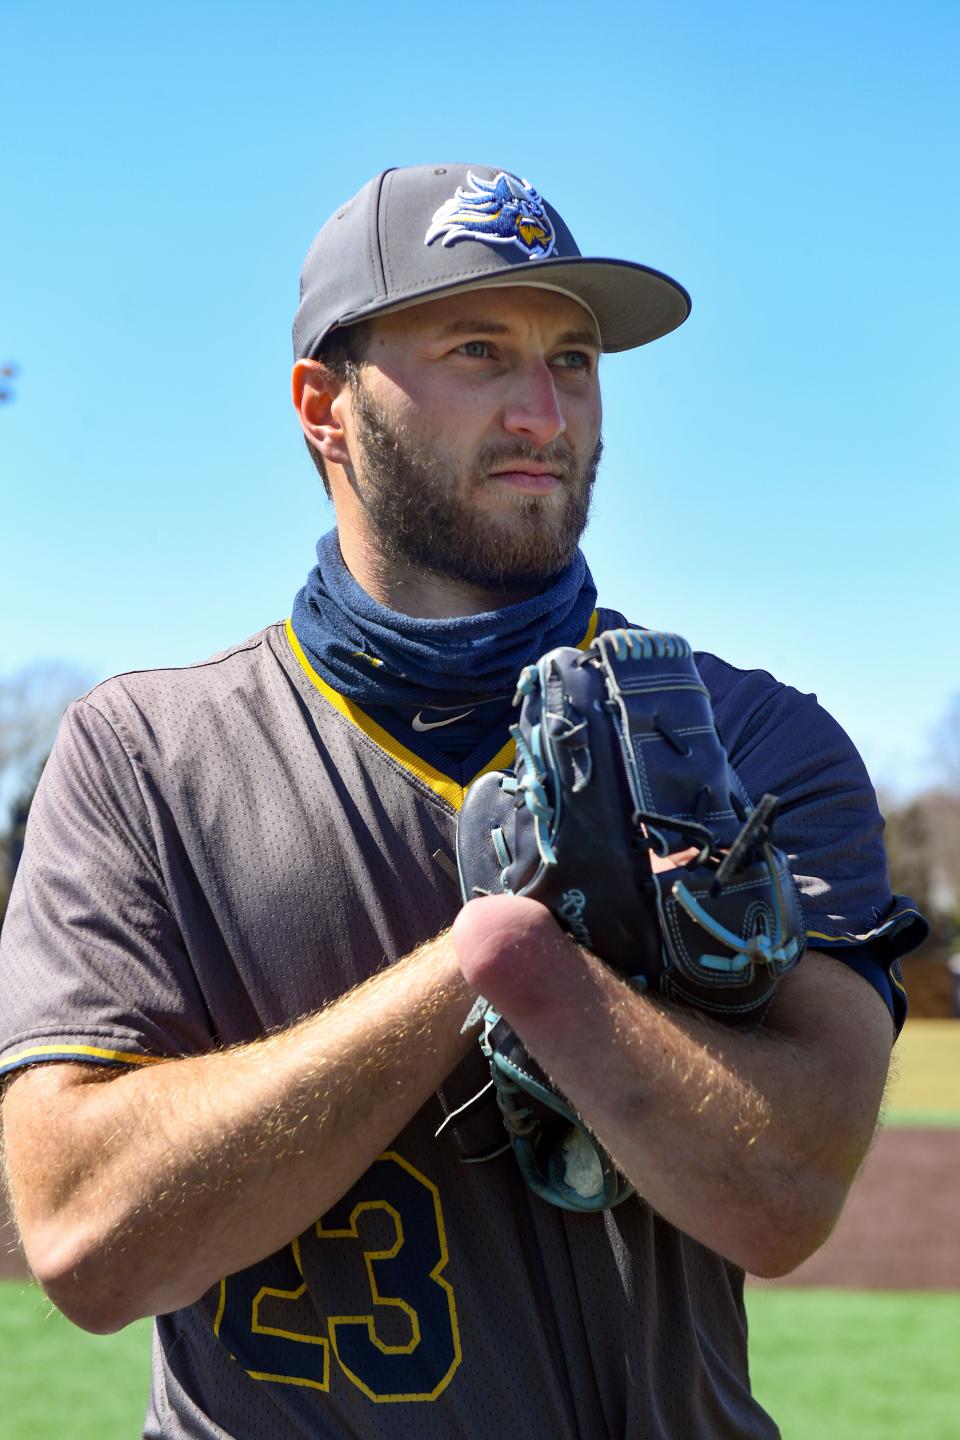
[{"x": 504, "y": 211}]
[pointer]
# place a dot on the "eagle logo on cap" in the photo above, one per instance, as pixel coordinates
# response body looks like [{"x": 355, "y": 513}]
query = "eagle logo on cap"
[{"x": 503, "y": 211}]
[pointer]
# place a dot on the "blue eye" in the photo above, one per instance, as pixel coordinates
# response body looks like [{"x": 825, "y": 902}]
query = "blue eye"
[
  {"x": 573, "y": 360},
  {"x": 475, "y": 349}
]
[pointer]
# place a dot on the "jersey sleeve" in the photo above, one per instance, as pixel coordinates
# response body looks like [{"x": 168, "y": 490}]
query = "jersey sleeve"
[
  {"x": 92, "y": 964},
  {"x": 828, "y": 823}
]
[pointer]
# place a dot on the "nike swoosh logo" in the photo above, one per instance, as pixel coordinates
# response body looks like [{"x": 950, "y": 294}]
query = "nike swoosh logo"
[{"x": 419, "y": 724}]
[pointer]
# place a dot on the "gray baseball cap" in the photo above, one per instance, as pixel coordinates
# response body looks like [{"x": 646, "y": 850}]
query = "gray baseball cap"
[{"x": 415, "y": 234}]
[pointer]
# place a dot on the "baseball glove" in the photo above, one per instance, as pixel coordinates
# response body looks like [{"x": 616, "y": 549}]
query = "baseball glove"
[{"x": 618, "y": 759}]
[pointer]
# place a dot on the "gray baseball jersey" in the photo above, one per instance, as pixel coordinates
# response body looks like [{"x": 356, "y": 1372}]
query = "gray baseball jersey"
[{"x": 216, "y": 851}]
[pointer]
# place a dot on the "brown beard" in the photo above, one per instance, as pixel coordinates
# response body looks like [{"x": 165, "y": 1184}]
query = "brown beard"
[{"x": 420, "y": 519}]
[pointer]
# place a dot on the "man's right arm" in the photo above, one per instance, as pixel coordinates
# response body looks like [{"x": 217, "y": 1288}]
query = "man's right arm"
[{"x": 135, "y": 1194}]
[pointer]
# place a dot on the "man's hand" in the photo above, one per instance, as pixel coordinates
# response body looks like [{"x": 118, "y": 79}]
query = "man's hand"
[
  {"x": 136, "y": 1190},
  {"x": 746, "y": 1140},
  {"x": 618, "y": 762}
]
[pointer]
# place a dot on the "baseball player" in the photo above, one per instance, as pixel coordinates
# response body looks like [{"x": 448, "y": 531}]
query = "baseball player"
[{"x": 231, "y": 991}]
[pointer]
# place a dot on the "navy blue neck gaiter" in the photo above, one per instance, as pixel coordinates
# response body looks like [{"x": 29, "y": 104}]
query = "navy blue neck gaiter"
[{"x": 376, "y": 656}]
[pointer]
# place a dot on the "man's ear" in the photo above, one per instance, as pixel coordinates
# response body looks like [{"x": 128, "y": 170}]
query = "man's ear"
[{"x": 315, "y": 395}]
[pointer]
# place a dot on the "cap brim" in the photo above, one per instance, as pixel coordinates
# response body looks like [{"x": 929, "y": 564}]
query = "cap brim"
[{"x": 633, "y": 304}]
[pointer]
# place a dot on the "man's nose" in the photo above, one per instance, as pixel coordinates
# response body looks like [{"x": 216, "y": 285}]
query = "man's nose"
[{"x": 533, "y": 407}]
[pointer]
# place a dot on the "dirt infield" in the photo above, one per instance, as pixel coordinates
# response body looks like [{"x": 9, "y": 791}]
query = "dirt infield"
[{"x": 901, "y": 1227}]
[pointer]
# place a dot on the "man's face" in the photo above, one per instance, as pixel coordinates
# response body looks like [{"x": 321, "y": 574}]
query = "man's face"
[{"x": 476, "y": 435}]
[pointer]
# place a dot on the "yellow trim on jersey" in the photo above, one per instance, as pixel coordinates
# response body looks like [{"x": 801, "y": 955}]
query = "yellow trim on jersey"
[
  {"x": 861, "y": 939},
  {"x": 591, "y": 631},
  {"x": 503, "y": 759},
  {"x": 849, "y": 939},
  {"x": 95, "y": 1052},
  {"x": 448, "y": 789}
]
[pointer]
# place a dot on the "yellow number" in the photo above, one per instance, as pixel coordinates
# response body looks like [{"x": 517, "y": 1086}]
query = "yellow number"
[{"x": 406, "y": 1347}]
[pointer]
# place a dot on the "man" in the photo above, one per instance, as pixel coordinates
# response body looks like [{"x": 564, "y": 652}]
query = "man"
[{"x": 225, "y": 864}]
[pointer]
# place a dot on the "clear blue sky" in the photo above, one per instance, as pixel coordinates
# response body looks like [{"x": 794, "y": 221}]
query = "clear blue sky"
[{"x": 781, "y": 474}]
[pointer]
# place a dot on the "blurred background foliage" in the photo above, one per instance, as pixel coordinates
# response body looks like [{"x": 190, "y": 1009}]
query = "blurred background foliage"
[
  {"x": 32, "y": 701},
  {"x": 923, "y": 849}
]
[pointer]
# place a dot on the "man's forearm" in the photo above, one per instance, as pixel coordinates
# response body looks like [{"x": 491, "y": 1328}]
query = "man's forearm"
[
  {"x": 747, "y": 1141},
  {"x": 136, "y": 1193}
]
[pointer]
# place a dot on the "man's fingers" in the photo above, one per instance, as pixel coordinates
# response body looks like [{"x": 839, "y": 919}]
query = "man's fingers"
[{"x": 659, "y": 863}]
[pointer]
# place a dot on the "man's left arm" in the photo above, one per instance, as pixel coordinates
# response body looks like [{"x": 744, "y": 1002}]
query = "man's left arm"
[{"x": 746, "y": 1140}]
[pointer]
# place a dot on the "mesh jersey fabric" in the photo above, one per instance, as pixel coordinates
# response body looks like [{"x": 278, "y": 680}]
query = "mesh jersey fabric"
[{"x": 216, "y": 851}]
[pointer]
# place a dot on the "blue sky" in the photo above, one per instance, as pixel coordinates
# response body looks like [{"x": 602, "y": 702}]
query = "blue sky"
[{"x": 780, "y": 480}]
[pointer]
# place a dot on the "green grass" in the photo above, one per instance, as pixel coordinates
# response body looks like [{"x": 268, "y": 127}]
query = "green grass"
[
  {"x": 57, "y": 1381},
  {"x": 921, "y": 1119},
  {"x": 827, "y": 1364},
  {"x": 857, "y": 1365}
]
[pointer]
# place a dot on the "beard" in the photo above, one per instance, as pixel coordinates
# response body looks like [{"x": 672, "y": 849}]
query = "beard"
[{"x": 421, "y": 517}]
